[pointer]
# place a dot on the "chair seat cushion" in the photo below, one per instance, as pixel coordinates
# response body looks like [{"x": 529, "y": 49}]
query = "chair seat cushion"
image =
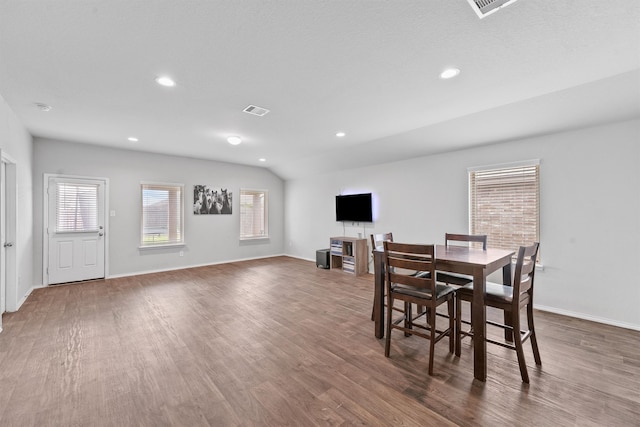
[
  {"x": 441, "y": 291},
  {"x": 454, "y": 279},
  {"x": 494, "y": 292}
]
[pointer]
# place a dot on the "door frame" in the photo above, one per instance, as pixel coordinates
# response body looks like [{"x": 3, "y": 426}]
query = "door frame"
[
  {"x": 10, "y": 210},
  {"x": 45, "y": 220}
]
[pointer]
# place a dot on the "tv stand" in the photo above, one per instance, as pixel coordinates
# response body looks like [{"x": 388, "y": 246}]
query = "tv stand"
[{"x": 349, "y": 254}]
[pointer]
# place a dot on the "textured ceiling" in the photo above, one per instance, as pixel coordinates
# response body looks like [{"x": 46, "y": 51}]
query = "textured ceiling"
[{"x": 368, "y": 68}]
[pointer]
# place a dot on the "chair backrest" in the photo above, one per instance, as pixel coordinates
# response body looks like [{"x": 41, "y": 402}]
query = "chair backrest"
[
  {"x": 377, "y": 239},
  {"x": 524, "y": 273},
  {"x": 402, "y": 260},
  {"x": 479, "y": 238}
]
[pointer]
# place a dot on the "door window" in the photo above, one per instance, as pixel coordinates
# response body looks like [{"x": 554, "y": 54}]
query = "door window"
[{"x": 76, "y": 207}]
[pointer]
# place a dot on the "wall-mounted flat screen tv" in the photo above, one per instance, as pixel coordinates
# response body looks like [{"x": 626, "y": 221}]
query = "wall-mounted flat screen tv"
[{"x": 354, "y": 207}]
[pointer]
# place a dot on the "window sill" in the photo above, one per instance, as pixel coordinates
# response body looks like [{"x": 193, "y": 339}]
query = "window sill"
[
  {"x": 255, "y": 238},
  {"x": 162, "y": 246}
]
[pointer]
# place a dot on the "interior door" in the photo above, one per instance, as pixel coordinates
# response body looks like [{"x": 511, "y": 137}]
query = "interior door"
[
  {"x": 3, "y": 243},
  {"x": 76, "y": 218}
]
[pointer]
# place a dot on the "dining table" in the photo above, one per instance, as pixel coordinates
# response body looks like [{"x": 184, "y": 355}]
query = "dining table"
[{"x": 475, "y": 262}]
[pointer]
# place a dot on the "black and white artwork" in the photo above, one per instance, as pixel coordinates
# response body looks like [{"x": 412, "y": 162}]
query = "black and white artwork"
[{"x": 207, "y": 201}]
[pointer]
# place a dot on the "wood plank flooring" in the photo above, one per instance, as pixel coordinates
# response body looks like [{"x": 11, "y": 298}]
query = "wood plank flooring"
[{"x": 277, "y": 342}]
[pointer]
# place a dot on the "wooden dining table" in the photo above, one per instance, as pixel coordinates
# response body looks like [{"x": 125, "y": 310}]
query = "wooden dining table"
[{"x": 474, "y": 262}]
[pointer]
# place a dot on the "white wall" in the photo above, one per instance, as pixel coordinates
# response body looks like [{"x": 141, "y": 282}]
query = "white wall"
[
  {"x": 209, "y": 238},
  {"x": 590, "y": 212},
  {"x": 16, "y": 142}
]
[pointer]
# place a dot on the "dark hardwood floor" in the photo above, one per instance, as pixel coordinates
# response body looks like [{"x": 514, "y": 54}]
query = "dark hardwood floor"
[{"x": 278, "y": 342}]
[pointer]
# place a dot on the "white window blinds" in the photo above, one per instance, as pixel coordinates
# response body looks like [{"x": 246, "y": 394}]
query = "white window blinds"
[
  {"x": 76, "y": 207},
  {"x": 253, "y": 214},
  {"x": 505, "y": 205},
  {"x": 162, "y": 214}
]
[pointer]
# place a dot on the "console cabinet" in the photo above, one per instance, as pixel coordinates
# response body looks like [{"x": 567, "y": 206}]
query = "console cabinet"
[{"x": 349, "y": 254}]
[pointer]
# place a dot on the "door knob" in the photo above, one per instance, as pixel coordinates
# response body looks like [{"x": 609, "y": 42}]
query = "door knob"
[
  {"x": 101, "y": 234},
  {"x": 8, "y": 244}
]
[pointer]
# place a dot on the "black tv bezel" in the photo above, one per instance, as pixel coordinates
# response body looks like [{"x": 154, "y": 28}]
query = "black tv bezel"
[{"x": 355, "y": 218}]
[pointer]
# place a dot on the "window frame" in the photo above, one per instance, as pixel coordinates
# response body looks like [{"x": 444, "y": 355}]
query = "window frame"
[
  {"x": 527, "y": 164},
  {"x": 161, "y": 185},
  {"x": 265, "y": 213}
]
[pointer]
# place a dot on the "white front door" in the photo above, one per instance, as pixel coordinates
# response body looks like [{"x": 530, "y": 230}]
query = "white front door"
[{"x": 75, "y": 229}]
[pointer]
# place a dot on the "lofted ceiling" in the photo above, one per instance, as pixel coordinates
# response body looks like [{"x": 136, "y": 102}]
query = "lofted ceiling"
[{"x": 367, "y": 68}]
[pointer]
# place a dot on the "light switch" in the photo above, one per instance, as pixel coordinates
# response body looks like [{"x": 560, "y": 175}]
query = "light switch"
[{"x": 112, "y": 213}]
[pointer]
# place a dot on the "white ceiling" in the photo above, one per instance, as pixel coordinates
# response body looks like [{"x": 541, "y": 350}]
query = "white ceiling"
[{"x": 368, "y": 68}]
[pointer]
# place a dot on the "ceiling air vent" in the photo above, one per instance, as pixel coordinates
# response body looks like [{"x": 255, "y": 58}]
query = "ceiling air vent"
[
  {"x": 487, "y": 7},
  {"x": 256, "y": 111}
]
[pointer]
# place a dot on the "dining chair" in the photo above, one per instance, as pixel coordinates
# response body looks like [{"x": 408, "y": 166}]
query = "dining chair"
[
  {"x": 400, "y": 259},
  {"x": 510, "y": 299},
  {"x": 466, "y": 239},
  {"x": 377, "y": 243},
  {"x": 377, "y": 239}
]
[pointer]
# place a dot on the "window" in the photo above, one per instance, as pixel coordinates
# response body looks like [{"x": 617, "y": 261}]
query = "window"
[
  {"x": 504, "y": 204},
  {"x": 253, "y": 214},
  {"x": 76, "y": 207},
  {"x": 162, "y": 215}
]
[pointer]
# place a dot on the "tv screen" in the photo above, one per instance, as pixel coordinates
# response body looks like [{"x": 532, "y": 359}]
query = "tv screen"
[{"x": 354, "y": 207}]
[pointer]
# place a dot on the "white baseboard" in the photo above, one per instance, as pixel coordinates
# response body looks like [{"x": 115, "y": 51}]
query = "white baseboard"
[
  {"x": 299, "y": 257},
  {"x": 24, "y": 298},
  {"x": 184, "y": 267},
  {"x": 587, "y": 317}
]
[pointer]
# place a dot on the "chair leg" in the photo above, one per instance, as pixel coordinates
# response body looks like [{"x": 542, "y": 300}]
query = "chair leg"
[
  {"x": 408, "y": 317},
  {"x": 517, "y": 340},
  {"x": 387, "y": 343},
  {"x": 532, "y": 337},
  {"x": 458, "y": 325},
  {"x": 508, "y": 334},
  {"x": 432, "y": 344},
  {"x": 452, "y": 325}
]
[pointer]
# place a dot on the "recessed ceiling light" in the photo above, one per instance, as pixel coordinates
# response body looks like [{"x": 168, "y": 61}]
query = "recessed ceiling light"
[
  {"x": 133, "y": 139},
  {"x": 43, "y": 107},
  {"x": 165, "y": 81},
  {"x": 234, "y": 140},
  {"x": 340, "y": 134},
  {"x": 262, "y": 160},
  {"x": 449, "y": 73}
]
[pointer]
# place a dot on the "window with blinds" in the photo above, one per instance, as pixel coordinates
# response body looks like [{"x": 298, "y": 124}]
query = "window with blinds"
[
  {"x": 162, "y": 214},
  {"x": 505, "y": 204},
  {"x": 253, "y": 214},
  {"x": 76, "y": 207}
]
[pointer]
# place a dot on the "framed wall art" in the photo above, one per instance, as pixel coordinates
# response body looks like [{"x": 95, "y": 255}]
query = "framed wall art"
[{"x": 207, "y": 201}]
